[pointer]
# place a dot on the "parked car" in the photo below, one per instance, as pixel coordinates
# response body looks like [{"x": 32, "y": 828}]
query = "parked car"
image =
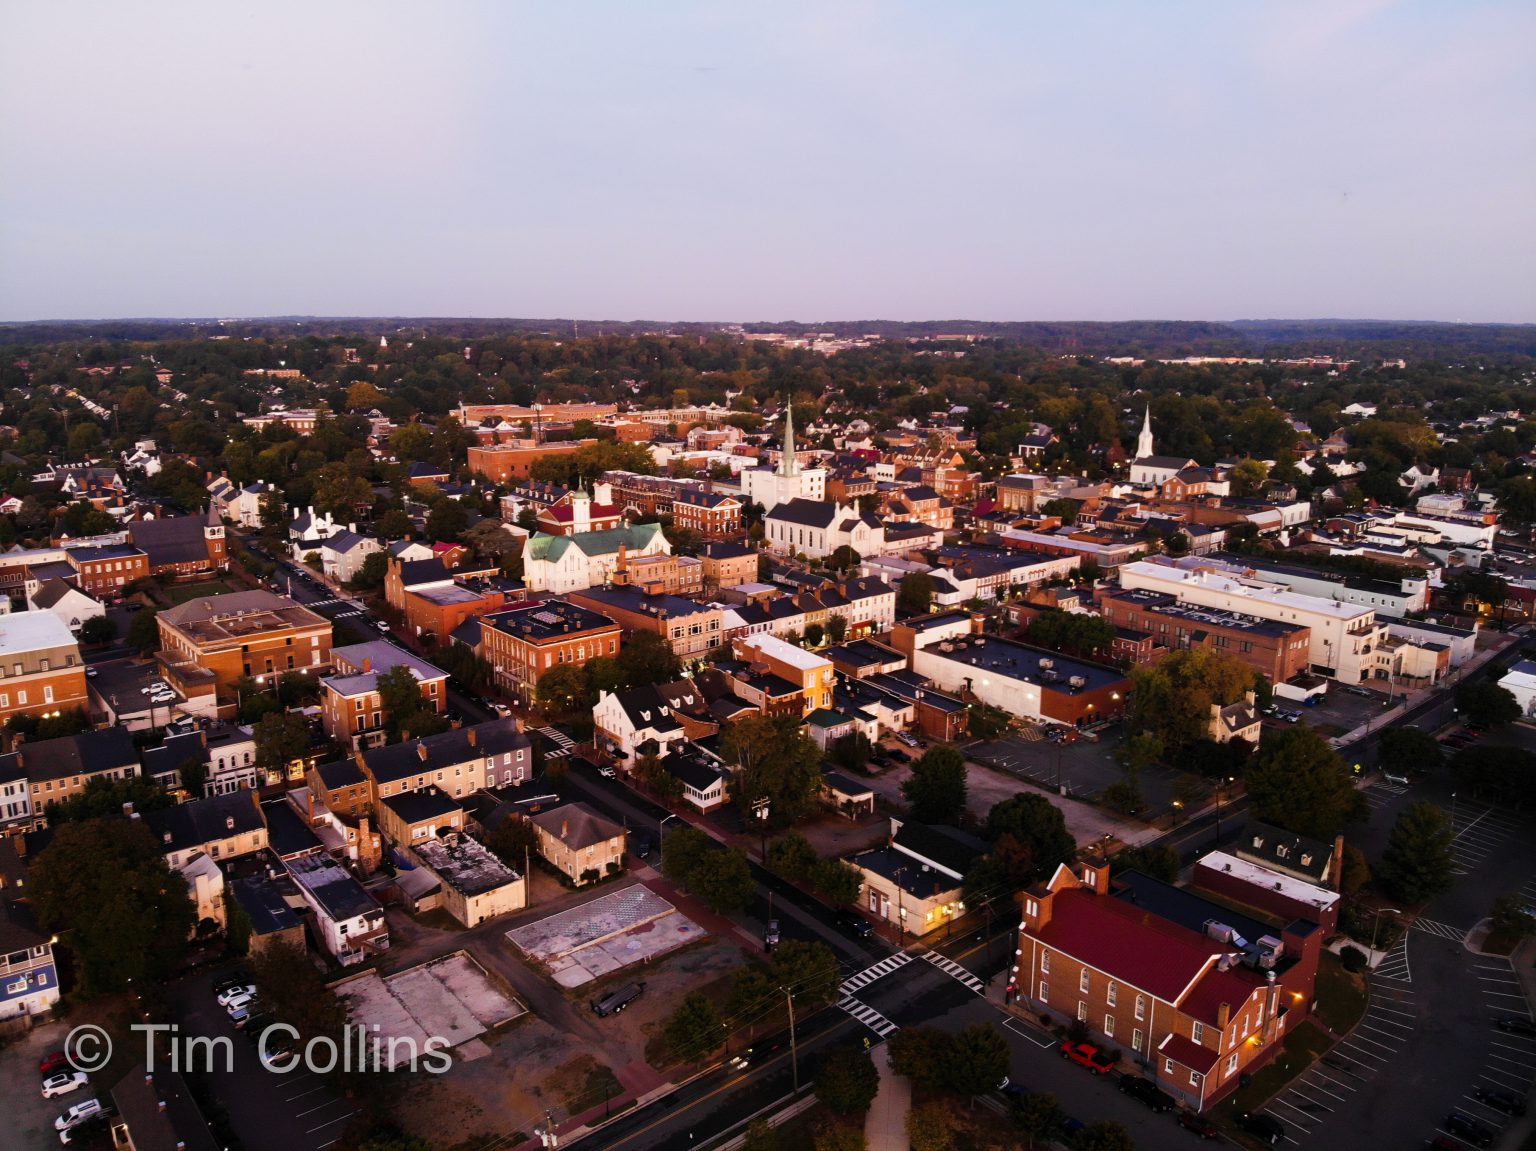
[
  {"x": 771, "y": 934},
  {"x": 91, "y": 673},
  {"x": 237, "y": 991},
  {"x": 1505, "y": 1101},
  {"x": 1260, "y": 1126},
  {"x": 240, "y": 1016},
  {"x": 643, "y": 846},
  {"x": 382, "y": 626},
  {"x": 1396, "y": 777},
  {"x": 240, "y": 1003},
  {"x": 855, "y": 925},
  {"x": 1199, "y": 1124},
  {"x": 900, "y": 756},
  {"x": 53, "y": 1061},
  {"x": 1467, "y": 1128},
  {"x": 78, "y": 1114},
  {"x": 1146, "y": 1092},
  {"x": 1089, "y": 1056},
  {"x": 234, "y": 979},
  {"x": 64, "y": 1083},
  {"x": 1517, "y": 1025},
  {"x": 500, "y": 708}
]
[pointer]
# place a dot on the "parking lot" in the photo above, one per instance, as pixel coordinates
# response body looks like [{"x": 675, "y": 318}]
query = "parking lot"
[{"x": 1083, "y": 769}]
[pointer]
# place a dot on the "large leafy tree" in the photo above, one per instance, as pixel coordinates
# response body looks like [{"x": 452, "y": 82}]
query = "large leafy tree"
[
  {"x": 847, "y": 1081},
  {"x": 977, "y": 1060},
  {"x": 1497, "y": 774},
  {"x": 922, "y": 1055},
  {"x": 280, "y": 739},
  {"x": 694, "y": 1029},
  {"x": 915, "y": 596},
  {"x": 407, "y": 710},
  {"x": 777, "y": 764},
  {"x": 647, "y": 657},
  {"x": 1174, "y": 697},
  {"x": 1297, "y": 781},
  {"x": 127, "y": 916},
  {"x": 724, "y": 880},
  {"x": 1407, "y": 749},
  {"x": 1486, "y": 703},
  {"x": 1036, "y": 825},
  {"x": 1073, "y": 632},
  {"x": 935, "y": 791},
  {"x": 1417, "y": 862}
]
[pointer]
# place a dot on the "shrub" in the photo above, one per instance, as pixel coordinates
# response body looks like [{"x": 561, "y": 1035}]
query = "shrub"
[{"x": 1352, "y": 958}]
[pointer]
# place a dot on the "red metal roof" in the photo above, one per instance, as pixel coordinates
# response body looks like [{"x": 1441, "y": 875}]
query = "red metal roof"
[{"x": 1182, "y": 1049}]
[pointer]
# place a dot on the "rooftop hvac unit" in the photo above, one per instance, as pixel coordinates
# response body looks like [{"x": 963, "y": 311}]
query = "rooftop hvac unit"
[
  {"x": 1045, "y": 662},
  {"x": 1078, "y": 681}
]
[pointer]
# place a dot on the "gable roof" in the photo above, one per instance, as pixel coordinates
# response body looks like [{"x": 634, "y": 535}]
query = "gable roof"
[
  {"x": 576, "y": 825},
  {"x": 89, "y": 752},
  {"x": 171, "y": 539},
  {"x": 204, "y": 820},
  {"x": 446, "y": 749}
]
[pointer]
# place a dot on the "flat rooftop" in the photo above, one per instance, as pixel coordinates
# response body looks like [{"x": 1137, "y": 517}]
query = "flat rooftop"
[
  {"x": 1319, "y": 898},
  {"x": 1005, "y": 657},
  {"x": 465, "y": 865},
  {"x": 238, "y": 616},
  {"x": 1165, "y": 604}
]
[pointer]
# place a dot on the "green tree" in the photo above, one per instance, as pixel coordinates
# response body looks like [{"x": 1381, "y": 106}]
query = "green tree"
[
  {"x": 1486, "y": 703},
  {"x": 447, "y": 521},
  {"x": 1505, "y": 775},
  {"x": 1039, "y": 1116},
  {"x": 98, "y": 629},
  {"x": 809, "y": 970},
  {"x": 1409, "y": 750},
  {"x": 103, "y": 798},
  {"x": 294, "y": 991},
  {"x": 684, "y": 850},
  {"x": 851, "y": 752},
  {"x": 724, "y": 881},
  {"x": 915, "y": 596},
  {"x": 404, "y": 706},
  {"x": 1065, "y": 508},
  {"x": 694, "y": 1029},
  {"x": 1157, "y": 860},
  {"x": 844, "y": 558},
  {"x": 1036, "y": 824},
  {"x": 647, "y": 657},
  {"x": 1072, "y": 632},
  {"x": 193, "y": 774},
  {"x": 491, "y": 540},
  {"x": 847, "y": 1081},
  {"x": 1248, "y": 478},
  {"x": 1173, "y": 698},
  {"x": 930, "y": 1127},
  {"x": 280, "y": 739},
  {"x": 761, "y": 1137},
  {"x": 371, "y": 575},
  {"x": 410, "y": 443},
  {"x": 838, "y": 881},
  {"x": 394, "y": 524},
  {"x": 840, "y": 1137},
  {"x": 814, "y": 634},
  {"x": 514, "y": 841},
  {"x": 837, "y": 628},
  {"x": 565, "y": 687},
  {"x": 977, "y": 1061},
  {"x": 1296, "y": 781},
  {"x": 922, "y": 1055},
  {"x": 144, "y": 632},
  {"x": 1417, "y": 862},
  {"x": 1508, "y": 917},
  {"x": 935, "y": 792},
  {"x": 127, "y": 915},
  {"x": 777, "y": 762}
]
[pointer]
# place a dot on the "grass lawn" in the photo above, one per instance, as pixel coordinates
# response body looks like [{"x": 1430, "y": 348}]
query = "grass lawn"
[
  {"x": 1341, "y": 997},
  {"x": 1297, "y": 1052},
  {"x": 182, "y": 592}
]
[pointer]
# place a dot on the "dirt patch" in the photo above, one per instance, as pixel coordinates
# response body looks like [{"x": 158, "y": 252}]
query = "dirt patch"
[
  {"x": 658, "y": 1053},
  {"x": 582, "y": 1082}
]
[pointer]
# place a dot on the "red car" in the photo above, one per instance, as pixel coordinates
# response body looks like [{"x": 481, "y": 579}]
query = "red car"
[
  {"x": 52, "y": 1062},
  {"x": 1089, "y": 1056}
]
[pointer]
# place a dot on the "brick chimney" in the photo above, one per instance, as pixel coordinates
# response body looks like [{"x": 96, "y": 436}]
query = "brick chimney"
[
  {"x": 565, "y": 828},
  {"x": 367, "y": 664},
  {"x": 472, "y": 739},
  {"x": 1223, "y": 1015},
  {"x": 421, "y": 751}
]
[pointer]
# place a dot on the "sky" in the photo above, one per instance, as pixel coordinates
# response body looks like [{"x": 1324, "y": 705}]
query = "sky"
[{"x": 769, "y": 161}]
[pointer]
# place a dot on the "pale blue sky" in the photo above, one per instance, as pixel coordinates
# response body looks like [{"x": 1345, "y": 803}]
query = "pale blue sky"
[{"x": 660, "y": 160}]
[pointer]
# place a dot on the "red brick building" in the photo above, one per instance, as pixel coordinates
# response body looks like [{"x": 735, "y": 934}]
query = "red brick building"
[
  {"x": 1162, "y": 978},
  {"x": 523, "y": 643},
  {"x": 502, "y": 462},
  {"x": 1273, "y": 648},
  {"x": 104, "y": 570},
  {"x": 713, "y": 514}
]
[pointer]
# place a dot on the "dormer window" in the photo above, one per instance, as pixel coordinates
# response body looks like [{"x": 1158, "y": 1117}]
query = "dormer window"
[{"x": 1306, "y": 859}]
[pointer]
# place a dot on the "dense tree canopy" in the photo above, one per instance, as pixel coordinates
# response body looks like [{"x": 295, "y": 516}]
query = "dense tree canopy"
[{"x": 1298, "y": 782}]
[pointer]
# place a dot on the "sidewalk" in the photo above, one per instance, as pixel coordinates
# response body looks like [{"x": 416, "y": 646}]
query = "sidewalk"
[{"x": 885, "y": 1126}]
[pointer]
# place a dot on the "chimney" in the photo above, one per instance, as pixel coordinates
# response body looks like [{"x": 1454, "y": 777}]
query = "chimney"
[
  {"x": 1223, "y": 1015},
  {"x": 565, "y": 828},
  {"x": 471, "y": 737},
  {"x": 367, "y": 664},
  {"x": 309, "y": 804},
  {"x": 421, "y": 751}
]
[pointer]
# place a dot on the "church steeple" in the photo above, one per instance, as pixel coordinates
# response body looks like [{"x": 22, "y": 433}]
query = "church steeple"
[
  {"x": 1144, "y": 440},
  {"x": 789, "y": 463}
]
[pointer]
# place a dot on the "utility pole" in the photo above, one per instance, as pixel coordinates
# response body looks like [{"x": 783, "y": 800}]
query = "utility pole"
[{"x": 794, "y": 1049}]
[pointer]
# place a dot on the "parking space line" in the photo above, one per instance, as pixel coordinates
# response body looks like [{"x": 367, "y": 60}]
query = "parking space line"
[
  {"x": 1335, "y": 1082},
  {"x": 1393, "y": 1010},
  {"x": 1318, "y": 1103},
  {"x": 329, "y": 1122},
  {"x": 1502, "y": 1078},
  {"x": 1282, "y": 1103},
  {"x": 1358, "y": 1038},
  {"x": 301, "y": 1094},
  {"x": 1315, "y": 1086},
  {"x": 1511, "y": 1047},
  {"x": 1362, "y": 1053},
  {"x": 1026, "y": 1034},
  {"x": 1388, "y": 1034},
  {"x": 1379, "y": 1015},
  {"x": 312, "y": 1110},
  {"x": 1505, "y": 995},
  {"x": 1516, "y": 1062}
]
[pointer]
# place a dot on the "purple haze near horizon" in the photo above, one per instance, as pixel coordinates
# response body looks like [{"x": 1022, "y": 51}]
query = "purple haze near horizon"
[{"x": 818, "y": 161}]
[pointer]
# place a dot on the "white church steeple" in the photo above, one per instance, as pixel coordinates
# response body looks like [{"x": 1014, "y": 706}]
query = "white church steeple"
[
  {"x": 789, "y": 463},
  {"x": 1144, "y": 440}
]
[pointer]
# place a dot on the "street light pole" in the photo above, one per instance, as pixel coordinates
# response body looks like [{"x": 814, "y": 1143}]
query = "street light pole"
[{"x": 794, "y": 1050}]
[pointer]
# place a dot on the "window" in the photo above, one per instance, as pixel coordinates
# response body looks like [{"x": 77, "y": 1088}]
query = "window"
[
  {"x": 1032, "y": 908},
  {"x": 1197, "y": 1032},
  {"x": 1167, "y": 1066},
  {"x": 1195, "y": 1079},
  {"x": 1232, "y": 1063},
  {"x": 1082, "y": 980},
  {"x": 1082, "y": 1010},
  {"x": 44, "y": 663},
  {"x": 1109, "y": 1026},
  {"x": 1138, "y": 1038},
  {"x": 1045, "y": 962},
  {"x": 1045, "y": 992},
  {"x": 1111, "y": 996},
  {"x": 47, "y": 694},
  {"x": 1141, "y": 1007}
]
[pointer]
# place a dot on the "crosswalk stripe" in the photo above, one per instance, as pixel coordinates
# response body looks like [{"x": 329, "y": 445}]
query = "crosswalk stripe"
[
  {"x": 875, "y": 971},
  {"x": 868, "y": 1016},
  {"x": 953, "y": 969}
]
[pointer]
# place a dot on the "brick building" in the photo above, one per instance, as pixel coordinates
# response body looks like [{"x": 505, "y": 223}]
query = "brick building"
[
  {"x": 712, "y": 514},
  {"x": 499, "y": 463},
  {"x": 219, "y": 638},
  {"x": 690, "y": 628},
  {"x": 105, "y": 569},
  {"x": 182, "y": 547},
  {"x": 1172, "y": 978},
  {"x": 523, "y": 643},
  {"x": 351, "y": 709},
  {"x": 1274, "y": 648},
  {"x": 41, "y": 672},
  {"x": 728, "y": 564}
]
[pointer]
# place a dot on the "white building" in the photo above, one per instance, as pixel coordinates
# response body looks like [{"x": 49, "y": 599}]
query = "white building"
[
  {"x": 1346, "y": 639},
  {"x": 1520, "y": 682},
  {"x": 561, "y": 564},
  {"x": 65, "y": 600},
  {"x": 1429, "y": 529},
  {"x": 348, "y": 921},
  {"x": 342, "y": 555},
  {"x": 813, "y": 529},
  {"x": 789, "y": 481}
]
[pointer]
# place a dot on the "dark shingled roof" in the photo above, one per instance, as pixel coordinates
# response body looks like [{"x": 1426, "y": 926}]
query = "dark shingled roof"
[{"x": 172, "y": 540}]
